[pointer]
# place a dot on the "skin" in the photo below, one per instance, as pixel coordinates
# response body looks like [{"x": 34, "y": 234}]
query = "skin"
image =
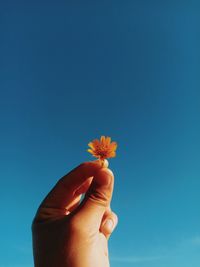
[{"x": 68, "y": 232}]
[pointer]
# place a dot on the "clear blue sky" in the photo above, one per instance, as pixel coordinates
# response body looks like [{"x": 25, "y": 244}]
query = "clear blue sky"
[{"x": 71, "y": 71}]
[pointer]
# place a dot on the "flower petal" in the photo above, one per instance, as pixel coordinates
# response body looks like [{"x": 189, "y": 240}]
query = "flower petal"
[
  {"x": 96, "y": 142},
  {"x": 102, "y": 148},
  {"x": 91, "y": 144},
  {"x": 103, "y": 139},
  {"x": 112, "y": 155},
  {"x": 108, "y": 140},
  {"x": 91, "y": 151},
  {"x": 113, "y": 145}
]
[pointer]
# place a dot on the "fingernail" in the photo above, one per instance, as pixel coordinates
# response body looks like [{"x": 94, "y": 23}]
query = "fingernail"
[
  {"x": 109, "y": 224},
  {"x": 103, "y": 163}
]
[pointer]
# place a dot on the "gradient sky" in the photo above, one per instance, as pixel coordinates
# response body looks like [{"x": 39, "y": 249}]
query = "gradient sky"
[{"x": 71, "y": 71}]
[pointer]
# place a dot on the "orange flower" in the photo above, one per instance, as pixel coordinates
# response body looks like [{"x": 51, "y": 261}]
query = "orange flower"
[{"x": 103, "y": 148}]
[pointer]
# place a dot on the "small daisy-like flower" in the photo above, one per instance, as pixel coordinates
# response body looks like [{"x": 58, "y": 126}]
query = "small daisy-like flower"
[{"x": 103, "y": 148}]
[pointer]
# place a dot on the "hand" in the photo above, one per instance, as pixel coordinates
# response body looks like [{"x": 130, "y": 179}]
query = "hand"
[{"x": 71, "y": 233}]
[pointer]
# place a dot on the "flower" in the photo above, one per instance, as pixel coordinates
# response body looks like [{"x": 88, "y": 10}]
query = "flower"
[{"x": 103, "y": 148}]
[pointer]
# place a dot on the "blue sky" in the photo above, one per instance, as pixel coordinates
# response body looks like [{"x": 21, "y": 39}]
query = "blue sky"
[{"x": 72, "y": 71}]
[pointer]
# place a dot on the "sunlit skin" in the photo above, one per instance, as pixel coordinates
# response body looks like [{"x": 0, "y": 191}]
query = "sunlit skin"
[{"x": 67, "y": 233}]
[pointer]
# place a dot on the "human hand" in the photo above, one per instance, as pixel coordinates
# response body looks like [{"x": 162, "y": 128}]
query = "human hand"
[{"x": 70, "y": 233}]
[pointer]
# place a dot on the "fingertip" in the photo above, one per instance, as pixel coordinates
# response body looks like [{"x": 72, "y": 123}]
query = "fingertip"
[
  {"x": 94, "y": 165},
  {"x": 105, "y": 163},
  {"x": 109, "y": 172},
  {"x": 91, "y": 166},
  {"x": 101, "y": 163},
  {"x": 106, "y": 171},
  {"x": 109, "y": 224},
  {"x": 104, "y": 176}
]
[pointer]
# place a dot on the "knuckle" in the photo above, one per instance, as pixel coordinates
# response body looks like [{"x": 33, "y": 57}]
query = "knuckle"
[{"x": 102, "y": 198}]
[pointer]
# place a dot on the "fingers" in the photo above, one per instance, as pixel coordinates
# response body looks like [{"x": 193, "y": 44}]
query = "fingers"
[
  {"x": 73, "y": 204},
  {"x": 108, "y": 224},
  {"x": 65, "y": 193},
  {"x": 84, "y": 187},
  {"x": 97, "y": 199}
]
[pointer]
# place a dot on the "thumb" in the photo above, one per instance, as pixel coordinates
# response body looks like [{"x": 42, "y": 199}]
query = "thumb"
[
  {"x": 97, "y": 199},
  {"x": 109, "y": 222}
]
